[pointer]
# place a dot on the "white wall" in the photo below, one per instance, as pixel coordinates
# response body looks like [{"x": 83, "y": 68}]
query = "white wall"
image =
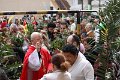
[
  {"x": 24, "y": 5},
  {"x": 75, "y": 6},
  {"x": 95, "y": 4}
]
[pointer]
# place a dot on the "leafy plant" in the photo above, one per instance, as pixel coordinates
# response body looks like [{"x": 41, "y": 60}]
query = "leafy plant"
[
  {"x": 58, "y": 43},
  {"x": 109, "y": 41},
  {"x": 8, "y": 60}
]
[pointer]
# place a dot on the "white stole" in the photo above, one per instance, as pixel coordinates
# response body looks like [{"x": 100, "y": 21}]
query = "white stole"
[{"x": 34, "y": 62}]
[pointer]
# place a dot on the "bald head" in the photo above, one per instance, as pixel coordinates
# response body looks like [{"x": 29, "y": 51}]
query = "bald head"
[
  {"x": 74, "y": 40},
  {"x": 70, "y": 39}
]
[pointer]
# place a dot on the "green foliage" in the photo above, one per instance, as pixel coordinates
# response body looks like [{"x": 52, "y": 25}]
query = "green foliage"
[
  {"x": 116, "y": 44},
  {"x": 109, "y": 40},
  {"x": 59, "y": 40},
  {"x": 5, "y": 49},
  {"x": 30, "y": 28},
  {"x": 13, "y": 70},
  {"x": 8, "y": 60},
  {"x": 58, "y": 43},
  {"x": 17, "y": 41}
]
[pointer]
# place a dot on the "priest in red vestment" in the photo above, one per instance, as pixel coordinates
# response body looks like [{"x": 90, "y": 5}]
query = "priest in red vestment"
[{"x": 37, "y": 60}]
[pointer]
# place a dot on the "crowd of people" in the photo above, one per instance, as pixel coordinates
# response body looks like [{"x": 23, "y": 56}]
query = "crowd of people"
[{"x": 31, "y": 38}]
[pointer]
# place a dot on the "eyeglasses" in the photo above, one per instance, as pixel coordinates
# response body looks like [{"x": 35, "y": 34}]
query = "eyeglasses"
[
  {"x": 55, "y": 33},
  {"x": 62, "y": 28}
]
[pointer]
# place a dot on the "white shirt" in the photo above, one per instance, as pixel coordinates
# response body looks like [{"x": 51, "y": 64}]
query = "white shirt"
[
  {"x": 82, "y": 48},
  {"x": 97, "y": 35},
  {"x": 81, "y": 55},
  {"x": 56, "y": 74},
  {"x": 81, "y": 70},
  {"x": 73, "y": 27}
]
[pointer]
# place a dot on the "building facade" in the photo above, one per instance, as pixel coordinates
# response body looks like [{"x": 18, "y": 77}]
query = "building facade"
[
  {"x": 33, "y": 5},
  {"x": 95, "y": 4},
  {"x": 24, "y": 5}
]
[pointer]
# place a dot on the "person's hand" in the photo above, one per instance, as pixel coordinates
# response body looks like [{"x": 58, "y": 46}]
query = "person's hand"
[
  {"x": 49, "y": 71},
  {"x": 38, "y": 46}
]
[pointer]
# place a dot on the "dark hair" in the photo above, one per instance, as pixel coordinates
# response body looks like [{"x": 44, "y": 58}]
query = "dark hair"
[
  {"x": 70, "y": 48},
  {"x": 72, "y": 20},
  {"x": 76, "y": 39},
  {"x": 64, "y": 23},
  {"x": 51, "y": 25},
  {"x": 59, "y": 61}
]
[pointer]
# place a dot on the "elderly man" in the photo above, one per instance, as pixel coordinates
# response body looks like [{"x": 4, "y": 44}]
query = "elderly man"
[
  {"x": 37, "y": 60},
  {"x": 81, "y": 69}
]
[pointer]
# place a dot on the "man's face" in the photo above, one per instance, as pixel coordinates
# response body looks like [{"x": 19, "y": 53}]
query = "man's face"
[
  {"x": 21, "y": 30},
  {"x": 70, "y": 57},
  {"x": 51, "y": 29},
  {"x": 62, "y": 28},
  {"x": 86, "y": 45},
  {"x": 37, "y": 40},
  {"x": 70, "y": 41},
  {"x": 57, "y": 24}
]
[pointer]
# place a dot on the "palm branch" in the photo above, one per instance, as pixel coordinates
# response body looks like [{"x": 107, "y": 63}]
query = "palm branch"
[{"x": 109, "y": 36}]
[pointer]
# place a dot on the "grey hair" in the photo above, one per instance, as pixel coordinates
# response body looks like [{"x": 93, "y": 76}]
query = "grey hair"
[
  {"x": 13, "y": 26},
  {"x": 35, "y": 33},
  {"x": 88, "y": 25}
]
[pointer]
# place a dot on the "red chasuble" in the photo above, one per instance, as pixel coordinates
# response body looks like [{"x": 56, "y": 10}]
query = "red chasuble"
[{"x": 45, "y": 66}]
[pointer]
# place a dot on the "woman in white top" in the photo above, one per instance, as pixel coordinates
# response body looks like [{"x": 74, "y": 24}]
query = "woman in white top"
[{"x": 60, "y": 67}]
